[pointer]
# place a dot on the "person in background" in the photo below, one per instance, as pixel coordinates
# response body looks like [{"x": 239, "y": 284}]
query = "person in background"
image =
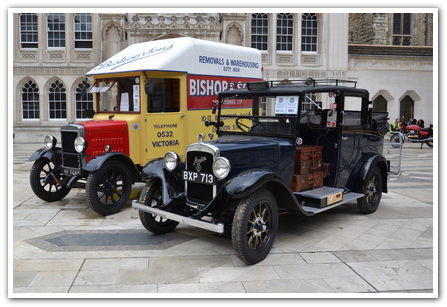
[
  {"x": 420, "y": 123},
  {"x": 396, "y": 125}
]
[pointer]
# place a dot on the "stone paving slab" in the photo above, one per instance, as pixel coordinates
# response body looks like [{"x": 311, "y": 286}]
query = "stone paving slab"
[{"x": 64, "y": 248}]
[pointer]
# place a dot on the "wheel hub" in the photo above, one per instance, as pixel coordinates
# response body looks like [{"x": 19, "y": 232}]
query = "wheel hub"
[{"x": 259, "y": 226}]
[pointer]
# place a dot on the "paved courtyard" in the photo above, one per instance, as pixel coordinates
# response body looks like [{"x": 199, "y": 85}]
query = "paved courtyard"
[{"x": 64, "y": 249}]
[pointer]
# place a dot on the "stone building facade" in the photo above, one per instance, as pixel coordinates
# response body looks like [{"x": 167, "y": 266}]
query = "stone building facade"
[{"x": 389, "y": 54}]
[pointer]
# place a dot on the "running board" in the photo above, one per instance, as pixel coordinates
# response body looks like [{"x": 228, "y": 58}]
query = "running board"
[
  {"x": 219, "y": 228},
  {"x": 324, "y": 198}
]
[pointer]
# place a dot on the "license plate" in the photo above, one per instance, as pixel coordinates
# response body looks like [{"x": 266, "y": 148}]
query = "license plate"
[
  {"x": 71, "y": 171},
  {"x": 199, "y": 177}
]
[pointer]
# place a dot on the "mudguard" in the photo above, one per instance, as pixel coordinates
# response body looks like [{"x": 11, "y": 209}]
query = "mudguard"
[
  {"x": 172, "y": 187},
  {"x": 248, "y": 182},
  {"x": 360, "y": 171},
  {"x": 97, "y": 162},
  {"x": 43, "y": 153}
]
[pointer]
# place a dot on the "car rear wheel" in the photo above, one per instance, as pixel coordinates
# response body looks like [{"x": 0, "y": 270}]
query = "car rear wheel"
[
  {"x": 47, "y": 182},
  {"x": 108, "y": 188},
  {"x": 372, "y": 188},
  {"x": 153, "y": 198},
  {"x": 254, "y": 227}
]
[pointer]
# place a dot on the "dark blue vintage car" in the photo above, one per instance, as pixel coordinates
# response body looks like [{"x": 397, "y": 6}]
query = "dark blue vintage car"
[{"x": 304, "y": 147}]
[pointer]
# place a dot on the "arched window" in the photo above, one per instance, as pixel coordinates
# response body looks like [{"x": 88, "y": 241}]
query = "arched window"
[
  {"x": 57, "y": 99},
  {"x": 30, "y": 101},
  {"x": 380, "y": 104},
  {"x": 259, "y": 31},
  {"x": 84, "y": 100},
  {"x": 309, "y": 32},
  {"x": 284, "y": 32},
  {"x": 407, "y": 109}
]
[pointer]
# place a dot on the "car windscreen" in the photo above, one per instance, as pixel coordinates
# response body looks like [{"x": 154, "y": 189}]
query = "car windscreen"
[{"x": 269, "y": 115}]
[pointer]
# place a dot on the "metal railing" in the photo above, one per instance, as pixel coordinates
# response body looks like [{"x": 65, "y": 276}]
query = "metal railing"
[{"x": 393, "y": 152}]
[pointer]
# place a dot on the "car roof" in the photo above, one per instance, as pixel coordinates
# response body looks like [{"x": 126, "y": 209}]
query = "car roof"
[{"x": 296, "y": 88}]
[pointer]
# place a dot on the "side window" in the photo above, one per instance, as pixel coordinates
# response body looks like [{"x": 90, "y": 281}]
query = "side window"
[
  {"x": 352, "y": 114},
  {"x": 163, "y": 96}
]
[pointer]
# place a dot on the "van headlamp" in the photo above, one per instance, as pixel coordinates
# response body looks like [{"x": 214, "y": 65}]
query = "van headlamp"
[
  {"x": 221, "y": 167},
  {"x": 50, "y": 141},
  {"x": 79, "y": 144},
  {"x": 171, "y": 161}
]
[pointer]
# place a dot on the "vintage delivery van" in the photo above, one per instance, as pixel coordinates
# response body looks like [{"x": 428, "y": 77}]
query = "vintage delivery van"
[{"x": 150, "y": 98}]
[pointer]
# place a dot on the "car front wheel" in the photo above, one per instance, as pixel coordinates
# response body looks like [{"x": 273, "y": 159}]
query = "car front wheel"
[
  {"x": 254, "y": 227},
  {"x": 153, "y": 198}
]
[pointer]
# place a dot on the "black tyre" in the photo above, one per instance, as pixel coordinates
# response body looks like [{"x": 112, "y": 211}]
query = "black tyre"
[
  {"x": 372, "y": 188},
  {"x": 254, "y": 227},
  {"x": 153, "y": 198},
  {"x": 429, "y": 143},
  {"x": 394, "y": 140},
  {"x": 108, "y": 188},
  {"x": 47, "y": 182}
]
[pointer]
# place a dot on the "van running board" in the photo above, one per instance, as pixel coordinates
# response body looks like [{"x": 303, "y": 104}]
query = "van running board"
[{"x": 324, "y": 198}]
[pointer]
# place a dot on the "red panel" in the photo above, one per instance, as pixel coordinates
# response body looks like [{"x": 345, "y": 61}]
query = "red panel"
[{"x": 98, "y": 134}]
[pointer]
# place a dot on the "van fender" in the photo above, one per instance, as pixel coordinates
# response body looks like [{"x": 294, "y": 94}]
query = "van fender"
[
  {"x": 98, "y": 161},
  {"x": 246, "y": 183},
  {"x": 43, "y": 153},
  {"x": 361, "y": 170}
]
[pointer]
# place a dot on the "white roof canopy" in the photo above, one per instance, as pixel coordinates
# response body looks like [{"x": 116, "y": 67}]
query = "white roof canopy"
[{"x": 185, "y": 54}]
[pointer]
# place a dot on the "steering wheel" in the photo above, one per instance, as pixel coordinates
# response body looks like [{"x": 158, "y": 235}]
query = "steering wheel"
[{"x": 242, "y": 126}]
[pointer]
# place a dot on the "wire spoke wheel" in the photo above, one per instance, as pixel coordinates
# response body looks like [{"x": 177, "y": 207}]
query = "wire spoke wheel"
[
  {"x": 259, "y": 226},
  {"x": 254, "y": 227},
  {"x": 372, "y": 188}
]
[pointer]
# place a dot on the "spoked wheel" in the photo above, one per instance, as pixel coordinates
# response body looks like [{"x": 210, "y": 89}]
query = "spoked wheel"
[
  {"x": 47, "y": 182},
  {"x": 108, "y": 188},
  {"x": 255, "y": 225},
  {"x": 153, "y": 198},
  {"x": 372, "y": 188}
]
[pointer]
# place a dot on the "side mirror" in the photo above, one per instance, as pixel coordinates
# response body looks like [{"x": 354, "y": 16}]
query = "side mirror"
[
  {"x": 90, "y": 113},
  {"x": 148, "y": 88}
]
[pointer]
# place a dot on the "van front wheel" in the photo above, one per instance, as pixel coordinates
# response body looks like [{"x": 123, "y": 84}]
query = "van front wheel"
[{"x": 108, "y": 188}]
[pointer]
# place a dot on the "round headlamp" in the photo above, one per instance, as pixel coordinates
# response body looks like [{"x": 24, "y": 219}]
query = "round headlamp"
[
  {"x": 79, "y": 144},
  {"x": 221, "y": 167},
  {"x": 50, "y": 141},
  {"x": 171, "y": 161}
]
